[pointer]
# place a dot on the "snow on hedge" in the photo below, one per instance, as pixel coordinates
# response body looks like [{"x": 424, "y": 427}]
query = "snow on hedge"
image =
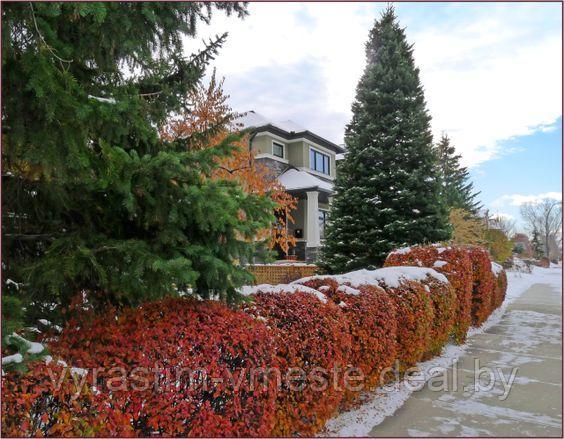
[
  {"x": 247, "y": 290},
  {"x": 401, "y": 251},
  {"x": 405, "y": 250},
  {"x": 48, "y": 324},
  {"x": 390, "y": 276},
  {"x": 348, "y": 290}
]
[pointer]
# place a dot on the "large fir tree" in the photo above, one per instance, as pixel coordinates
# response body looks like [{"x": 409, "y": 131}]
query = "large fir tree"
[
  {"x": 457, "y": 191},
  {"x": 93, "y": 199},
  {"x": 387, "y": 187}
]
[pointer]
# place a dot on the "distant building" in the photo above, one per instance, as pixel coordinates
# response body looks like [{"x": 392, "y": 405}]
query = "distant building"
[
  {"x": 305, "y": 164},
  {"x": 523, "y": 245}
]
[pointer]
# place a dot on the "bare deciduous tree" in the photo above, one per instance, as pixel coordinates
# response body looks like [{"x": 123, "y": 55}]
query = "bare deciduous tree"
[
  {"x": 545, "y": 217},
  {"x": 506, "y": 225}
]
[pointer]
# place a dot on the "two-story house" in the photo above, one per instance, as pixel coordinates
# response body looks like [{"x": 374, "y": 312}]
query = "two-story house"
[{"x": 304, "y": 163}]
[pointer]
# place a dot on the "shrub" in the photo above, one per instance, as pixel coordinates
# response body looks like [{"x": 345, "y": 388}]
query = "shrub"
[
  {"x": 173, "y": 353},
  {"x": 371, "y": 315},
  {"x": 499, "y": 245},
  {"x": 445, "y": 307},
  {"x": 414, "y": 320},
  {"x": 413, "y": 304},
  {"x": 452, "y": 261},
  {"x": 544, "y": 262},
  {"x": 458, "y": 271},
  {"x": 466, "y": 228},
  {"x": 500, "y": 284},
  {"x": 34, "y": 404},
  {"x": 311, "y": 334},
  {"x": 482, "y": 284}
]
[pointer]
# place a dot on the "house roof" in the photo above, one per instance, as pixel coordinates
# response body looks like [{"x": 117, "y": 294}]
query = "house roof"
[
  {"x": 252, "y": 119},
  {"x": 294, "y": 179},
  {"x": 286, "y": 129}
]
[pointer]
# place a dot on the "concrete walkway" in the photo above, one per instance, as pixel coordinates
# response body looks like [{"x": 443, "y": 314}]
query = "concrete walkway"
[{"x": 528, "y": 342}]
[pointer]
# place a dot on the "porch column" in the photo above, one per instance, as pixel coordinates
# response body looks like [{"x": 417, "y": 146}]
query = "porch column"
[{"x": 312, "y": 219}]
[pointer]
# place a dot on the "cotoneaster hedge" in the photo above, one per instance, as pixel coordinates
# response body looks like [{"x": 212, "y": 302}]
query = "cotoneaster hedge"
[
  {"x": 371, "y": 315},
  {"x": 458, "y": 271},
  {"x": 500, "y": 284},
  {"x": 452, "y": 261},
  {"x": 312, "y": 338},
  {"x": 35, "y": 405},
  {"x": 444, "y": 303},
  {"x": 469, "y": 270},
  {"x": 482, "y": 285},
  {"x": 414, "y": 320},
  {"x": 192, "y": 363},
  {"x": 241, "y": 368}
]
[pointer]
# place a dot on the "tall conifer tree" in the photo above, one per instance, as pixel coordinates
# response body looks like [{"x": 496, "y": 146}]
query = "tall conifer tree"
[
  {"x": 457, "y": 191},
  {"x": 94, "y": 200},
  {"x": 387, "y": 187}
]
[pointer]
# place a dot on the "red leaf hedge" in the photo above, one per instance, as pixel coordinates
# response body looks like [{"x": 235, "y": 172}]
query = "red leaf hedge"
[
  {"x": 45, "y": 401},
  {"x": 482, "y": 284},
  {"x": 500, "y": 284},
  {"x": 191, "y": 368},
  {"x": 313, "y": 336},
  {"x": 414, "y": 321},
  {"x": 371, "y": 315},
  {"x": 457, "y": 269},
  {"x": 277, "y": 366},
  {"x": 415, "y": 310},
  {"x": 445, "y": 307}
]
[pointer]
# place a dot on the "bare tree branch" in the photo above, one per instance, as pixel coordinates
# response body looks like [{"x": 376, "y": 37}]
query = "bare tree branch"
[{"x": 544, "y": 218}]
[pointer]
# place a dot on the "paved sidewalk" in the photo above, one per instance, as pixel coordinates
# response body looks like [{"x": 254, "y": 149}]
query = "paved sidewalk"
[{"x": 528, "y": 338}]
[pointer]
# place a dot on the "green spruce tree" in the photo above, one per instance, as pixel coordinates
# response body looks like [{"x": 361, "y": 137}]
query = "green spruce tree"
[
  {"x": 94, "y": 200},
  {"x": 457, "y": 191},
  {"x": 538, "y": 249},
  {"x": 387, "y": 188}
]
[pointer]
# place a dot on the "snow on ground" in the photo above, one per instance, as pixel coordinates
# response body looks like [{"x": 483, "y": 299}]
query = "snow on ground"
[
  {"x": 385, "y": 401},
  {"x": 496, "y": 268}
]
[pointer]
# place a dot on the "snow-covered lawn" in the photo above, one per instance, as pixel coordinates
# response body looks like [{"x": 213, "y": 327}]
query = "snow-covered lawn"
[{"x": 384, "y": 402}]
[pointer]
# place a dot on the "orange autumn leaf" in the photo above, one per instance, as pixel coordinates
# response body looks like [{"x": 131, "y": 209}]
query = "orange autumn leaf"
[{"x": 207, "y": 122}]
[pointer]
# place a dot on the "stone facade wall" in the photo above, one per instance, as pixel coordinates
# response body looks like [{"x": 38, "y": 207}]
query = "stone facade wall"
[
  {"x": 274, "y": 165},
  {"x": 311, "y": 254},
  {"x": 308, "y": 254}
]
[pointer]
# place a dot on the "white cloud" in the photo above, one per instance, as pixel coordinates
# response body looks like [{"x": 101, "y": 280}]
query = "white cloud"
[
  {"x": 490, "y": 82},
  {"x": 277, "y": 35},
  {"x": 503, "y": 216},
  {"x": 519, "y": 199},
  {"x": 490, "y": 72}
]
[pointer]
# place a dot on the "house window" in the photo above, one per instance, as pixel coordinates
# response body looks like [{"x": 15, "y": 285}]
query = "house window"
[
  {"x": 322, "y": 223},
  {"x": 278, "y": 149},
  {"x": 319, "y": 162}
]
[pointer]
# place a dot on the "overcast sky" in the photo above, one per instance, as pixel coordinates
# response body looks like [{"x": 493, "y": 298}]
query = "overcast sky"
[{"x": 491, "y": 72}]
